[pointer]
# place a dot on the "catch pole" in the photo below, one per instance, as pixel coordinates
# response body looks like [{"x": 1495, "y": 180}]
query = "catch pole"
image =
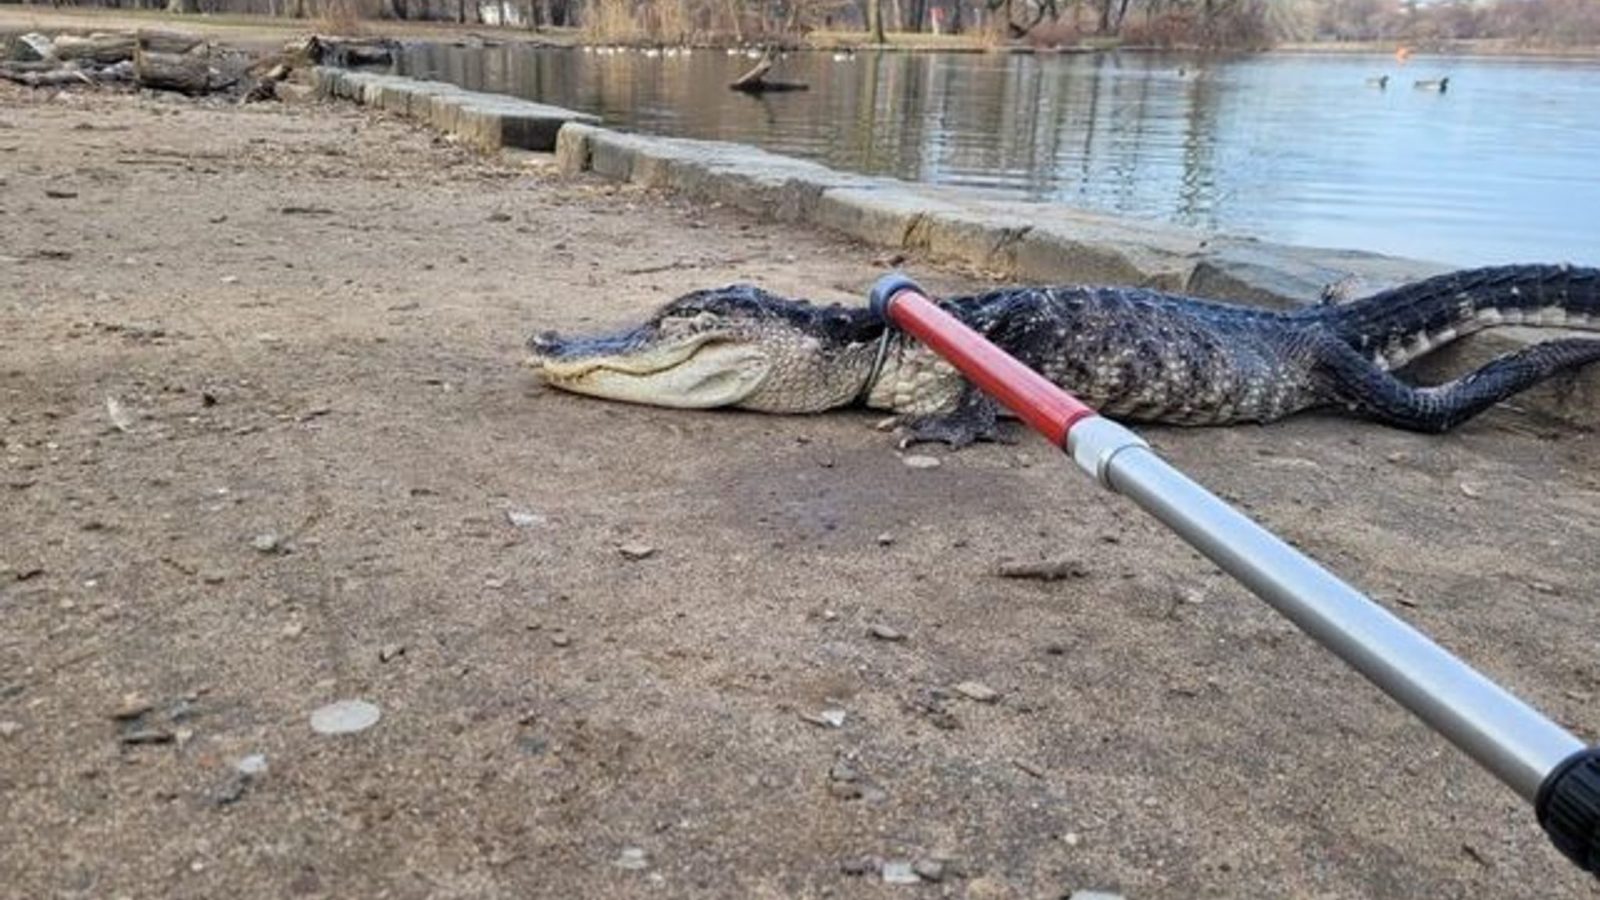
[{"x": 1540, "y": 760}]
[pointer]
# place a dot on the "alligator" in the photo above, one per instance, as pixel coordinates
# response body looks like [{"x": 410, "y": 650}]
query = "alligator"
[{"x": 1136, "y": 354}]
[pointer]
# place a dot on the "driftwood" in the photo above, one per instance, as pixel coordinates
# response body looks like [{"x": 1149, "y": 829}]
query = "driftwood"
[
  {"x": 344, "y": 52},
  {"x": 168, "y": 41},
  {"x": 42, "y": 74},
  {"x": 755, "y": 81},
  {"x": 266, "y": 86},
  {"x": 97, "y": 48},
  {"x": 161, "y": 60},
  {"x": 30, "y": 47},
  {"x": 188, "y": 73},
  {"x": 55, "y": 76}
]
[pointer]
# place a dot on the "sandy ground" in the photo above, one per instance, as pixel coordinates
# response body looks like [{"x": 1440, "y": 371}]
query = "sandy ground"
[{"x": 310, "y": 320}]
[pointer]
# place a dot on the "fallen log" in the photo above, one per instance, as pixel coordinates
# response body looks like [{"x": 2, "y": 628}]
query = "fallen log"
[
  {"x": 188, "y": 73},
  {"x": 344, "y": 52},
  {"x": 56, "y": 76},
  {"x": 32, "y": 47},
  {"x": 101, "y": 48},
  {"x": 755, "y": 81},
  {"x": 266, "y": 86},
  {"x": 168, "y": 41}
]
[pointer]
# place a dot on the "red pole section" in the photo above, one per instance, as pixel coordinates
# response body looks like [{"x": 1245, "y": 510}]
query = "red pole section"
[{"x": 1046, "y": 408}]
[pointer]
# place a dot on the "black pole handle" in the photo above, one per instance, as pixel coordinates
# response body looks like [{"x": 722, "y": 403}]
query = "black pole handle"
[{"x": 1569, "y": 808}]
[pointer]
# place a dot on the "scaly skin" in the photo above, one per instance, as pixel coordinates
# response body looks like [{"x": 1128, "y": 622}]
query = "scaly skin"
[{"x": 1135, "y": 354}]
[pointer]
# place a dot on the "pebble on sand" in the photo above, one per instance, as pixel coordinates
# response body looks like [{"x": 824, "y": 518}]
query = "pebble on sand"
[
  {"x": 885, "y": 633},
  {"x": 253, "y": 765},
  {"x": 900, "y": 872},
  {"x": 132, "y": 707},
  {"x": 977, "y": 690},
  {"x": 523, "y": 518},
  {"x": 345, "y": 717}
]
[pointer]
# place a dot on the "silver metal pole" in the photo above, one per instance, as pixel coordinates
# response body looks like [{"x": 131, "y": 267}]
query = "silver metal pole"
[{"x": 1511, "y": 739}]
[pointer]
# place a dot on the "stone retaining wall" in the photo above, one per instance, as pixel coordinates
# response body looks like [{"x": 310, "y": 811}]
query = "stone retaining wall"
[
  {"x": 487, "y": 121},
  {"x": 1029, "y": 241}
]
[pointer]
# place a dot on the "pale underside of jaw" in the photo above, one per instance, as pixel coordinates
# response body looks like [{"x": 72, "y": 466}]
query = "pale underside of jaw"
[{"x": 695, "y": 376}]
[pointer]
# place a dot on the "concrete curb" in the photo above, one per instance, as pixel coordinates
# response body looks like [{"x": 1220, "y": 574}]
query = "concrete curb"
[
  {"x": 1029, "y": 241},
  {"x": 486, "y": 121}
]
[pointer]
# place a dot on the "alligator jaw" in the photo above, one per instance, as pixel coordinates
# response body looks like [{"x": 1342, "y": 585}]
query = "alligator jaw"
[{"x": 696, "y": 373}]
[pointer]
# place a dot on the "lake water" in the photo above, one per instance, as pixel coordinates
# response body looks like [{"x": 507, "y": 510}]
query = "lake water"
[{"x": 1504, "y": 166}]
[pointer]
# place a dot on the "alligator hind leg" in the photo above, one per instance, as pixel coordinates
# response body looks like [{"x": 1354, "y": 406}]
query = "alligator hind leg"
[
  {"x": 975, "y": 418},
  {"x": 1361, "y": 385}
]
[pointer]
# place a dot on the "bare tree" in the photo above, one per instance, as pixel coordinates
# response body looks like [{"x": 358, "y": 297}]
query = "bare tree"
[{"x": 875, "y": 21}]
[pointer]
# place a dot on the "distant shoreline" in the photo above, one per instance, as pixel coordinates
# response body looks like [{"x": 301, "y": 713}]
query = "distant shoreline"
[
  {"x": 1487, "y": 47},
  {"x": 264, "y": 29}
]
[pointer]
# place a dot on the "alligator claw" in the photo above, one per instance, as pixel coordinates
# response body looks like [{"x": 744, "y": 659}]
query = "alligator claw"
[{"x": 974, "y": 419}]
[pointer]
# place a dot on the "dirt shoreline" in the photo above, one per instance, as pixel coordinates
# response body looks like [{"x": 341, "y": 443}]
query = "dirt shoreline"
[{"x": 331, "y": 479}]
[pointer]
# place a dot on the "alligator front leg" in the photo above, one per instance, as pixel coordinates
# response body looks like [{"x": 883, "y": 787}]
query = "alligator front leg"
[
  {"x": 975, "y": 418},
  {"x": 1364, "y": 387}
]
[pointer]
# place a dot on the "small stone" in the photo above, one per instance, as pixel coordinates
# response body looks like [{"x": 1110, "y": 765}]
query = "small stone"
[
  {"x": 499, "y": 217},
  {"x": 293, "y": 629},
  {"x": 120, "y": 419},
  {"x": 561, "y": 639},
  {"x": 183, "y": 736},
  {"x": 1470, "y": 490},
  {"x": 230, "y": 279},
  {"x": 146, "y": 736},
  {"x": 9, "y": 728},
  {"x": 132, "y": 707},
  {"x": 929, "y": 869},
  {"x": 636, "y": 551},
  {"x": 919, "y": 461},
  {"x": 829, "y": 615},
  {"x": 899, "y": 871},
  {"x": 267, "y": 542},
  {"x": 843, "y": 771},
  {"x": 390, "y": 651},
  {"x": 885, "y": 633},
  {"x": 523, "y": 518},
  {"x": 253, "y": 765},
  {"x": 1028, "y": 767},
  {"x": 977, "y": 690},
  {"x": 844, "y": 790},
  {"x": 1544, "y": 587},
  {"x": 633, "y": 859},
  {"x": 858, "y": 866},
  {"x": 345, "y": 717},
  {"x": 1094, "y": 895},
  {"x": 232, "y": 790},
  {"x": 885, "y": 539},
  {"x": 1071, "y": 839},
  {"x": 828, "y": 718}
]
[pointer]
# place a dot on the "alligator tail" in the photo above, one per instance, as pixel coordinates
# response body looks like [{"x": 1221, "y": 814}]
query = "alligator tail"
[
  {"x": 1364, "y": 387},
  {"x": 1396, "y": 326}
]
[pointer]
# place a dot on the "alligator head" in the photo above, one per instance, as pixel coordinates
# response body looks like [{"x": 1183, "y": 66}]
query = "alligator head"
[{"x": 732, "y": 346}]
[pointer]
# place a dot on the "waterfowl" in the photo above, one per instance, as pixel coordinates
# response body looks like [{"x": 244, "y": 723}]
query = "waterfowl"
[
  {"x": 1433, "y": 84},
  {"x": 1381, "y": 82}
]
